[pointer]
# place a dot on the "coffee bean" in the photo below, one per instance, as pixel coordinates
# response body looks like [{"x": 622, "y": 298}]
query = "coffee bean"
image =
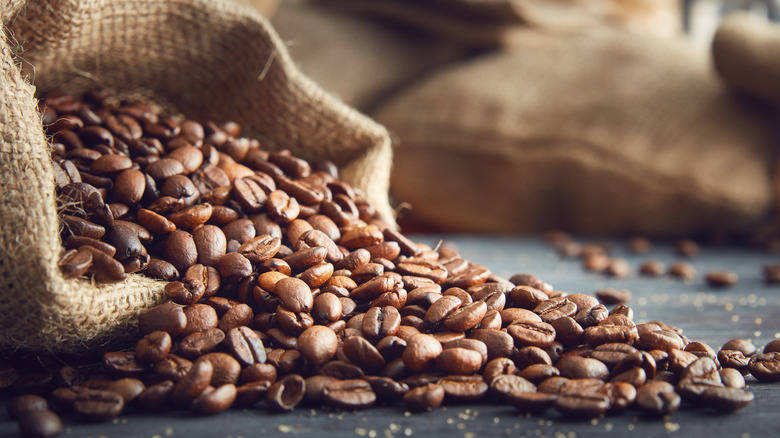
[
  {"x": 286, "y": 394},
  {"x": 25, "y": 404},
  {"x": 538, "y": 334},
  {"x": 318, "y": 344},
  {"x": 658, "y": 399},
  {"x": 613, "y": 296},
  {"x": 153, "y": 347},
  {"x": 721, "y": 278},
  {"x": 199, "y": 343},
  {"x": 765, "y": 367},
  {"x": 424, "y": 398},
  {"x": 40, "y": 424},
  {"x": 96, "y": 405},
  {"x": 294, "y": 293},
  {"x": 652, "y": 267},
  {"x": 156, "y": 397},
  {"x": 75, "y": 263},
  {"x": 167, "y": 317},
  {"x": 349, "y": 394},
  {"x": 582, "y": 406},
  {"x": 360, "y": 352},
  {"x": 530, "y": 402}
]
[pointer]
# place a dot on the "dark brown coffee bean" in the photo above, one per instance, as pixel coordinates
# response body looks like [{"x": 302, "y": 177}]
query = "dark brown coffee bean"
[
  {"x": 687, "y": 248},
  {"x": 25, "y": 404},
  {"x": 104, "y": 268},
  {"x": 294, "y": 293},
  {"x": 772, "y": 346},
  {"x": 504, "y": 384},
  {"x": 555, "y": 308},
  {"x": 539, "y": 372},
  {"x": 360, "y": 352},
  {"x": 173, "y": 367},
  {"x": 348, "y": 394},
  {"x": 165, "y": 168},
  {"x": 246, "y": 346},
  {"x": 123, "y": 364},
  {"x": 318, "y": 344},
  {"x": 75, "y": 263},
  {"x": 613, "y": 296},
  {"x": 154, "y": 398},
  {"x": 233, "y": 266},
  {"x": 726, "y": 399},
  {"x": 423, "y": 268},
  {"x": 180, "y": 250},
  {"x": 538, "y": 334},
  {"x": 499, "y": 343},
  {"x": 199, "y": 317},
  {"x": 652, "y": 267},
  {"x": 732, "y": 378},
  {"x": 424, "y": 398},
  {"x": 216, "y": 401},
  {"x": 40, "y": 424},
  {"x": 168, "y": 317},
  {"x": 765, "y": 367},
  {"x": 226, "y": 368},
  {"x": 743, "y": 345},
  {"x": 658, "y": 399},
  {"x": 682, "y": 270},
  {"x": 421, "y": 352},
  {"x": 721, "y": 278},
  {"x": 621, "y": 395},
  {"x": 260, "y": 248},
  {"x": 582, "y": 406},
  {"x": 530, "y": 402},
  {"x": 128, "y": 388},
  {"x": 771, "y": 274},
  {"x": 153, "y": 347},
  {"x": 576, "y": 367},
  {"x": 249, "y": 394},
  {"x": 464, "y": 389},
  {"x": 193, "y": 383},
  {"x": 98, "y": 405},
  {"x": 199, "y": 343},
  {"x": 285, "y": 394},
  {"x": 380, "y": 322}
]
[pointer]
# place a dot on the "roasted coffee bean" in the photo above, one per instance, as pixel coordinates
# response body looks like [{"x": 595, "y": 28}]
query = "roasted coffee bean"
[
  {"x": 98, "y": 405},
  {"x": 249, "y": 394},
  {"x": 652, "y": 267},
  {"x": 286, "y": 394},
  {"x": 216, "y": 401},
  {"x": 538, "y": 334},
  {"x": 424, "y": 398},
  {"x": 772, "y": 346},
  {"x": 294, "y": 293},
  {"x": 173, "y": 367},
  {"x": 75, "y": 263},
  {"x": 199, "y": 343},
  {"x": 25, "y": 404},
  {"x": 582, "y": 406},
  {"x": 156, "y": 397},
  {"x": 193, "y": 383},
  {"x": 539, "y": 372},
  {"x": 168, "y": 317},
  {"x": 721, "y": 278},
  {"x": 380, "y": 322},
  {"x": 180, "y": 250},
  {"x": 153, "y": 347},
  {"x": 613, "y": 296},
  {"x": 318, "y": 344},
  {"x": 40, "y": 424},
  {"x": 682, "y": 270},
  {"x": 226, "y": 368},
  {"x": 658, "y": 399},
  {"x": 576, "y": 367},
  {"x": 123, "y": 364},
  {"x": 460, "y": 361},
  {"x": 421, "y": 352},
  {"x": 128, "y": 388},
  {"x": 499, "y": 343},
  {"x": 504, "y": 384},
  {"x": 349, "y": 394},
  {"x": 622, "y": 395},
  {"x": 765, "y": 367},
  {"x": 530, "y": 402},
  {"x": 362, "y": 353},
  {"x": 198, "y": 317},
  {"x": 742, "y": 345},
  {"x": 731, "y": 378}
]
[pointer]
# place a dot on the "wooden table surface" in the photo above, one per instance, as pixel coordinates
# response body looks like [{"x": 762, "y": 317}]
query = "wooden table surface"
[{"x": 750, "y": 309}]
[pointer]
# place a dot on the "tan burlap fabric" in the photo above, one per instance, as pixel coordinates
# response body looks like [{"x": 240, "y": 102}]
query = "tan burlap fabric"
[
  {"x": 488, "y": 24},
  {"x": 213, "y": 60},
  {"x": 366, "y": 59},
  {"x": 600, "y": 132},
  {"x": 746, "y": 51}
]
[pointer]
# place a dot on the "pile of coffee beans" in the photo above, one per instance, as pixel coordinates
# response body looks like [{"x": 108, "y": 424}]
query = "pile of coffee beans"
[{"x": 286, "y": 290}]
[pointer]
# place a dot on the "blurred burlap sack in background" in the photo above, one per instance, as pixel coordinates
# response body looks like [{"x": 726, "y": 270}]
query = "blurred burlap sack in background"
[
  {"x": 361, "y": 61},
  {"x": 486, "y": 24},
  {"x": 212, "y": 60},
  {"x": 594, "y": 131}
]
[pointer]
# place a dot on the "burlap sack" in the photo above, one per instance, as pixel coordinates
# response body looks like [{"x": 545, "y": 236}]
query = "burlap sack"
[
  {"x": 489, "y": 24},
  {"x": 601, "y": 132},
  {"x": 746, "y": 52},
  {"x": 366, "y": 60},
  {"x": 213, "y": 60}
]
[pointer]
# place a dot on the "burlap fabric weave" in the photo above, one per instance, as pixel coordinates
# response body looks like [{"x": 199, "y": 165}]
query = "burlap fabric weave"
[{"x": 212, "y": 60}]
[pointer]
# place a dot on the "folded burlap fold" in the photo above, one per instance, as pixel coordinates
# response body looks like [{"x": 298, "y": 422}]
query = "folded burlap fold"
[
  {"x": 212, "y": 60},
  {"x": 746, "y": 52}
]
